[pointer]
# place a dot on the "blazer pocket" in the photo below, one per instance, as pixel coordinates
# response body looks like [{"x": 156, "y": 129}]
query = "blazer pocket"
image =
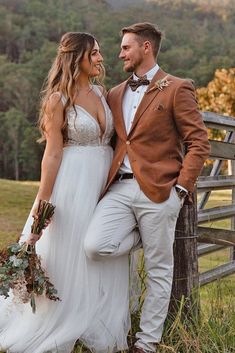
[{"x": 159, "y": 108}]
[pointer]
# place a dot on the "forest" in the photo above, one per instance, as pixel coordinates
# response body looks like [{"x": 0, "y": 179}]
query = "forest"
[{"x": 198, "y": 40}]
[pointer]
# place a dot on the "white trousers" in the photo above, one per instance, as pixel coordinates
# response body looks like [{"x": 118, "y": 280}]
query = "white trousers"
[{"x": 111, "y": 233}]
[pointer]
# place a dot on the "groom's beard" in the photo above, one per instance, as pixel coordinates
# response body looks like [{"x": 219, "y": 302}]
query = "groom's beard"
[{"x": 132, "y": 67}]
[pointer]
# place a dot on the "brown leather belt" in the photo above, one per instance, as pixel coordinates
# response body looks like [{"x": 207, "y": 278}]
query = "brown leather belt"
[{"x": 124, "y": 176}]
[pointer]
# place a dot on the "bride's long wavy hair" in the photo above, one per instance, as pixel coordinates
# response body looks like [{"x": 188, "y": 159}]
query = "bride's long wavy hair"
[{"x": 64, "y": 73}]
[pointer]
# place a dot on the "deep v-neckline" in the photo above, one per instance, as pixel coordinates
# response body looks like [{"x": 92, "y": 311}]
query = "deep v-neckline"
[{"x": 102, "y": 134}]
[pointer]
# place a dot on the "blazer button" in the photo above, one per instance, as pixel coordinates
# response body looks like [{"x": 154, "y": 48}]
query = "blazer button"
[{"x": 128, "y": 142}]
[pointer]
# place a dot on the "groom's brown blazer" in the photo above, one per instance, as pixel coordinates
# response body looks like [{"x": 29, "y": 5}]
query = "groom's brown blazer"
[{"x": 165, "y": 120}]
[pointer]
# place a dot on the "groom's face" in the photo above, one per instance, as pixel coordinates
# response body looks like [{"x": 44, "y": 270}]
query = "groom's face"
[{"x": 132, "y": 52}]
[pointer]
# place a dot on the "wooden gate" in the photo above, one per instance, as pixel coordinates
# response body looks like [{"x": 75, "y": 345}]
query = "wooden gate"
[{"x": 192, "y": 238}]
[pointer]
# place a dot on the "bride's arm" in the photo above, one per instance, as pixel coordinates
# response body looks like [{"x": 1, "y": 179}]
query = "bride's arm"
[
  {"x": 52, "y": 155},
  {"x": 54, "y": 146}
]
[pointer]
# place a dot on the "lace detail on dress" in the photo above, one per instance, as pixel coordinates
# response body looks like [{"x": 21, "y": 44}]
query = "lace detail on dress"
[{"x": 84, "y": 130}]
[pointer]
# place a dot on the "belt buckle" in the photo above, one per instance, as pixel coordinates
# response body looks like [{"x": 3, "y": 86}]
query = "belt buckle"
[{"x": 121, "y": 177}]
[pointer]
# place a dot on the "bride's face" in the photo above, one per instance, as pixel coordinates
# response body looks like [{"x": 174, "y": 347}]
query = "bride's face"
[{"x": 91, "y": 62}]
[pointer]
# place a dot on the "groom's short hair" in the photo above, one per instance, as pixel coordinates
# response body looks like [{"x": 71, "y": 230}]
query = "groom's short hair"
[{"x": 145, "y": 31}]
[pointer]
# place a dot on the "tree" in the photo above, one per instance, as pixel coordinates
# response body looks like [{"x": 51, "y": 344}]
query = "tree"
[
  {"x": 30, "y": 154},
  {"x": 198, "y": 40},
  {"x": 219, "y": 95},
  {"x": 14, "y": 123}
]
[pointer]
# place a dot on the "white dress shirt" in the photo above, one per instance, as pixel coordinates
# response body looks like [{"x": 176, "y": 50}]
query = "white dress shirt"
[{"x": 131, "y": 101}]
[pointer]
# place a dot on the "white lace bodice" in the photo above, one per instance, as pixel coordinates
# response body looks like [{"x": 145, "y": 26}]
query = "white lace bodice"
[{"x": 84, "y": 129}]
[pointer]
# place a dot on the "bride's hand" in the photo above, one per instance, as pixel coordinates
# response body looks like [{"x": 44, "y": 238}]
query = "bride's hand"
[
  {"x": 47, "y": 222},
  {"x": 35, "y": 216},
  {"x": 35, "y": 210},
  {"x": 33, "y": 238}
]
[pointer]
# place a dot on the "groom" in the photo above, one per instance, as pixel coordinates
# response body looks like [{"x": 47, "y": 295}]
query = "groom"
[{"x": 155, "y": 114}]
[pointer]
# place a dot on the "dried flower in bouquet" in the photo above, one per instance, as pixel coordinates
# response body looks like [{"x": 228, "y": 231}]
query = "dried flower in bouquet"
[{"x": 20, "y": 267}]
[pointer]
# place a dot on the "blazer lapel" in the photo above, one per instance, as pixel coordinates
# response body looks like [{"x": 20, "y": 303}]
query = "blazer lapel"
[
  {"x": 118, "y": 112},
  {"x": 147, "y": 98}
]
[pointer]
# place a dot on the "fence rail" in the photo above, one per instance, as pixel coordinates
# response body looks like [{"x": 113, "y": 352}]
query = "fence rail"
[
  {"x": 204, "y": 249},
  {"x": 218, "y": 272},
  {"x": 215, "y": 235},
  {"x": 219, "y": 182},
  {"x": 216, "y": 213}
]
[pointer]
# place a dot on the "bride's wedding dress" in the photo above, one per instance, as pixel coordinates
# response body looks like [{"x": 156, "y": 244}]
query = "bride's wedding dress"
[{"x": 94, "y": 295}]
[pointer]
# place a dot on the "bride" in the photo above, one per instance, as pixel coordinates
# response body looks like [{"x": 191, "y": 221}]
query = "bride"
[{"x": 76, "y": 123}]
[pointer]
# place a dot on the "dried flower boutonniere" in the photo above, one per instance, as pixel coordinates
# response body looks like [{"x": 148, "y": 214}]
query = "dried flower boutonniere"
[{"x": 160, "y": 84}]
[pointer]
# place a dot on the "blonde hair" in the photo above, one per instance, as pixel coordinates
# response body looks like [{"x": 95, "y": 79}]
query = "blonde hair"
[{"x": 64, "y": 73}]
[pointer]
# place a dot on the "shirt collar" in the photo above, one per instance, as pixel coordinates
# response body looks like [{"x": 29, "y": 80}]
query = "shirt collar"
[{"x": 149, "y": 74}]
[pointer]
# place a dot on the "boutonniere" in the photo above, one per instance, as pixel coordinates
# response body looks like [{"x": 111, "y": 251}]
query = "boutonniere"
[{"x": 160, "y": 84}]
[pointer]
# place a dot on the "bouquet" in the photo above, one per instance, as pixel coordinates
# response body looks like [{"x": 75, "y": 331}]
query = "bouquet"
[{"x": 20, "y": 267}]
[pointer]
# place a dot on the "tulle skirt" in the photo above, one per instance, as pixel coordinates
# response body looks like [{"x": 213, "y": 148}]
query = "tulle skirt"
[{"x": 94, "y": 306}]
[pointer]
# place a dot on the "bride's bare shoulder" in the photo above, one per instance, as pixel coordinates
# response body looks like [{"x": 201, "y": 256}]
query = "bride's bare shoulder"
[
  {"x": 54, "y": 100},
  {"x": 102, "y": 89}
]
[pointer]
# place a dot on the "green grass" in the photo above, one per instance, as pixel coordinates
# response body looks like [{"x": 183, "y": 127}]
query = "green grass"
[
  {"x": 15, "y": 203},
  {"x": 213, "y": 332}
]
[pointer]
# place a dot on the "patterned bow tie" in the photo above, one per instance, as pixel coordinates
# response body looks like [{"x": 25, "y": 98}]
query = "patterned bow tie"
[{"x": 134, "y": 84}]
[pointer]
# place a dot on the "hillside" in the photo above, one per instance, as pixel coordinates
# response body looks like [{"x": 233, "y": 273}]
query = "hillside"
[
  {"x": 199, "y": 38},
  {"x": 116, "y": 4},
  {"x": 205, "y": 3}
]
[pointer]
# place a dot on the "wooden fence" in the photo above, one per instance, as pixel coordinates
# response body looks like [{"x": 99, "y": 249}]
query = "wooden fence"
[{"x": 192, "y": 238}]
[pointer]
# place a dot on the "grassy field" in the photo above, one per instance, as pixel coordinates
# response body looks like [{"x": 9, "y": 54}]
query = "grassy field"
[
  {"x": 16, "y": 199},
  {"x": 215, "y": 333}
]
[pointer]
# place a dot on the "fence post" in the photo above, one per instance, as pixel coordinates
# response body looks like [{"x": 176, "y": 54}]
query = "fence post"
[
  {"x": 186, "y": 276},
  {"x": 233, "y": 218}
]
